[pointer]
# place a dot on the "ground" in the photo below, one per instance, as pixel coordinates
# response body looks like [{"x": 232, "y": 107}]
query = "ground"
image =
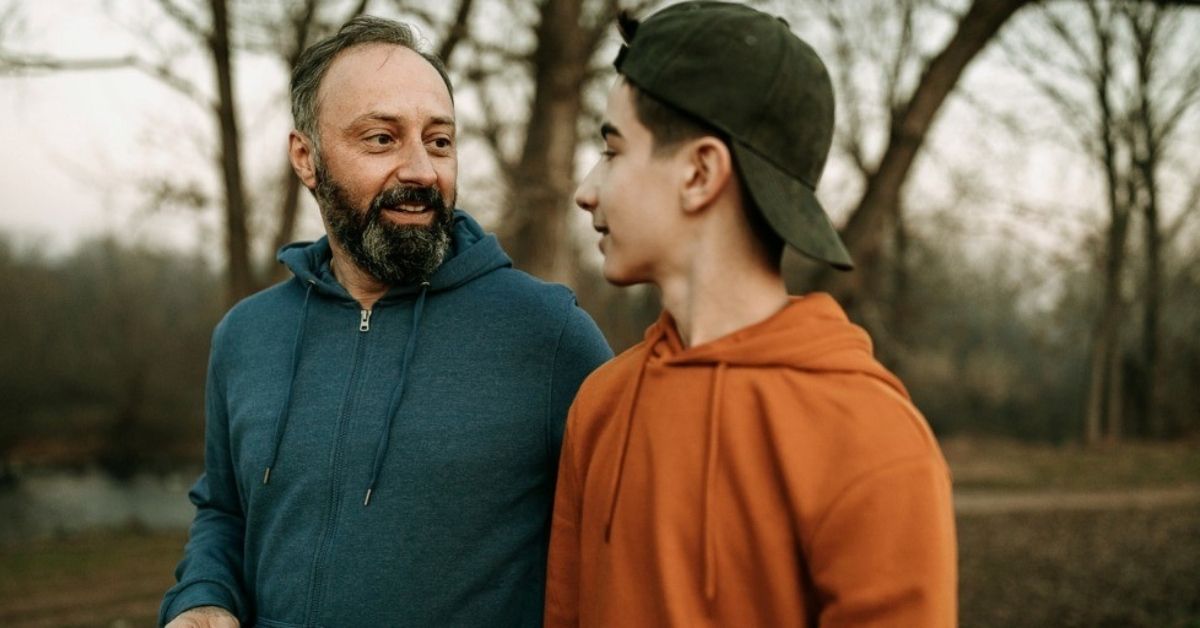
[{"x": 1048, "y": 536}]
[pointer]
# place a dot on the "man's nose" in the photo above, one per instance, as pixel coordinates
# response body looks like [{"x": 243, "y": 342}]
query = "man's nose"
[{"x": 416, "y": 166}]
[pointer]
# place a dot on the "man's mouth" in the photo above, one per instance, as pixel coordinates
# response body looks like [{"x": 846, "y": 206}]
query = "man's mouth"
[
  {"x": 409, "y": 208},
  {"x": 601, "y": 229}
]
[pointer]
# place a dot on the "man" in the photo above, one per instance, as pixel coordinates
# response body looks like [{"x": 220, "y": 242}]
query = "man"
[
  {"x": 382, "y": 430},
  {"x": 749, "y": 463}
]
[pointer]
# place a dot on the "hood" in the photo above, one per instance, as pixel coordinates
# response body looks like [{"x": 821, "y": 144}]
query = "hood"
[
  {"x": 812, "y": 333},
  {"x": 473, "y": 253}
]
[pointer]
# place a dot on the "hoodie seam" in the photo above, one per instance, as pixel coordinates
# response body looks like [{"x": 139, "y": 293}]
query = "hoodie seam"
[
  {"x": 860, "y": 480},
  {"x": 548, "y": 418}
]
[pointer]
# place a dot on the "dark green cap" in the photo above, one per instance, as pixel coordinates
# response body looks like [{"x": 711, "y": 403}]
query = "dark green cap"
[{"x": 745, "y": 73}]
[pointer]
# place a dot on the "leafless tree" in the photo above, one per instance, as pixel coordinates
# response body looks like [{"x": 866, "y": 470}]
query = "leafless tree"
[{"x": 1122, "y": 105}]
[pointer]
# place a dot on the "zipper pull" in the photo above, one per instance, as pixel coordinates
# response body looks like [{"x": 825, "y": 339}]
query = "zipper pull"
[{"x": 364, "y": 323}]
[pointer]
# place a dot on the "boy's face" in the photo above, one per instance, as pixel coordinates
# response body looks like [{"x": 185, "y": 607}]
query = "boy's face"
[{"x": 633, "y": 196}]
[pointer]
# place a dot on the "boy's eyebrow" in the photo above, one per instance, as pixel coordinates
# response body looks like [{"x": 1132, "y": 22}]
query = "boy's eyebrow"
[{"x": 607, "y": 129}]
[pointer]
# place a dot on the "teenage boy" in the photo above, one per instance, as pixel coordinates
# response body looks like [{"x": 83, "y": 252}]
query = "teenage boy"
[{"x": 749, "y": 463}]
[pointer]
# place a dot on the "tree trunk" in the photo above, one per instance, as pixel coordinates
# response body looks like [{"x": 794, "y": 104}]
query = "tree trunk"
[
  {"x": 288, "y": 211},
  {"x": 1147, "y": 158},
  {"x": 1119, "y": 190},
  {"x": 543, "y": 183},
  {"x": 240, "y": 274}
]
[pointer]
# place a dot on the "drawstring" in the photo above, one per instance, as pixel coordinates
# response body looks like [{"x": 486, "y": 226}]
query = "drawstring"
[
  {"x": 281, "y": 418},
  {"x": 710, "y": 480},
  {"x": 397, "y": 393},
  {"x": 614, "y": 490}
]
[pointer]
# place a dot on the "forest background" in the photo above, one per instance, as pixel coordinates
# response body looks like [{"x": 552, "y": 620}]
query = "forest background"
[{"x": 1017, "y": 181}]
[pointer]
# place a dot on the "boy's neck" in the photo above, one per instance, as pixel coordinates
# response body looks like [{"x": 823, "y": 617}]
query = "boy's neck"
[{"x": 719, "y": 293}]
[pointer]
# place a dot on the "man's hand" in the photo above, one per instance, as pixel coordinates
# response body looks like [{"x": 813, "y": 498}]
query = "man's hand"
[{"x": 205, "y": 617}]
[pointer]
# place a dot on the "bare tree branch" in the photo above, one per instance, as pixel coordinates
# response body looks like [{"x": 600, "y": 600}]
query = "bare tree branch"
[
  {"x": 849, "y": 135},
  {"x": 902, "y": 53},
  {"x": 458, "y": 29},
  {"x": 492, "y": 127},
  {"x": 1024, "y": 58},
  {"x": 358, "y": 10},
  {"x": 16, "y": 63},
  {"x": 185, "y": 20}
]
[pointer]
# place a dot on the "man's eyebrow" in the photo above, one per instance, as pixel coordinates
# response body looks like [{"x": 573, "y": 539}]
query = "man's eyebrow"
[
  {"x": 607, "y": 129},
  {"x": 378, "y": 116}
]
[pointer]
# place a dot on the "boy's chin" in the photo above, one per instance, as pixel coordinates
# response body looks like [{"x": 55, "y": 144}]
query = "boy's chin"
[{"x": 621, "y": 277}]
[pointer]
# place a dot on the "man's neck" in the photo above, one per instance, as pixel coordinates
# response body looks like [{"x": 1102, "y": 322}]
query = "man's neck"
[
  {"x": 362, "y": 286},
  {"x": 718, "y": 294}
]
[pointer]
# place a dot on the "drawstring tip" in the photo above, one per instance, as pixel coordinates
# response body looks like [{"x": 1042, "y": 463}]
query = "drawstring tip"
[
  {"x": 267, "y": 475},
  {"x": 367, "y": 499}
]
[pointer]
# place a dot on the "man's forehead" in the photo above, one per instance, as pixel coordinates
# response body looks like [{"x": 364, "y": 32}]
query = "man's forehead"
[{"x": 372, "y": 75}]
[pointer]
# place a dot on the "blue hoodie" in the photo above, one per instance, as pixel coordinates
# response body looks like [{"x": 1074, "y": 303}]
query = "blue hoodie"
[{"x": 391, "y": 467}]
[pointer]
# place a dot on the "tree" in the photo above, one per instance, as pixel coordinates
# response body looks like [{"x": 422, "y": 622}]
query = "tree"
[
  {"x": 910, "y": 122},
  {"x": 1122, "y": 105}
]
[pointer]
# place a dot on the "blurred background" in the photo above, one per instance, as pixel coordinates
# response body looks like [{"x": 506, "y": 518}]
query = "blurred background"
[{"x": 1018, "y": 182}]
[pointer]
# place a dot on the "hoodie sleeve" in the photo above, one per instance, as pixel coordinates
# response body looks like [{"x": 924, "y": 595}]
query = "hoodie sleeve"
[
  {"x": 562, "y": 569},
  {"x": 210, "y": 572},
  {"x": 884, "y": 555},
  {"x": 580, "y": 349}
]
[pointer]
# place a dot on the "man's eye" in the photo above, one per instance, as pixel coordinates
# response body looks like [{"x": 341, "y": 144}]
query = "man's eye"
[
  {"x": 380, "y": 139},
  {"x": 442, "y": 142}
]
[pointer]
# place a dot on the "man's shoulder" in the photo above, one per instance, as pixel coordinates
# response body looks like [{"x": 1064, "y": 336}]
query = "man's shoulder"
[
  {"x": 521, "y": 285},
  {"x": 261, "y": 308},
  {"x": 518, "y": 296}
]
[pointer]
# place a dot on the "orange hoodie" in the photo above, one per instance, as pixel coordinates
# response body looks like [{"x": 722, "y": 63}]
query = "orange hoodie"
[{"x": 778, "y": 476}]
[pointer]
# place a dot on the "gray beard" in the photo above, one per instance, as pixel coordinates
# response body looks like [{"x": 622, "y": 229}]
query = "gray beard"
[{"x": 393, "y": 254}]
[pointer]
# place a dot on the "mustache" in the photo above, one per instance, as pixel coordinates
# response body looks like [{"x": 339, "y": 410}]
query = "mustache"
[{"x": 429, "y": 196}]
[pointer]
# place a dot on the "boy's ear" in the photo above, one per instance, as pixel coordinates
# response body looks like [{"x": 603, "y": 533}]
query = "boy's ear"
[
  {"x": 709, "y": 171},
  {"x": 300, "y": 153}
]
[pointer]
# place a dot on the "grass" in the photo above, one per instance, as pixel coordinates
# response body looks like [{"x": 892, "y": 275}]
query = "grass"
[
  {"x": 1009, "y": 465},
  {"x": 109, "y": 579},
  {"x": 1126, "y": 568}
]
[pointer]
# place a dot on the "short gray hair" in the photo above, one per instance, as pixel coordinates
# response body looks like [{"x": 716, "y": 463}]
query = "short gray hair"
[{"x": 316, "y": 59}]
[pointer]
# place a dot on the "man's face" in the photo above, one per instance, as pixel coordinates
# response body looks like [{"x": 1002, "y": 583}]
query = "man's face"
[
  {"x": 387, "y": 169},
  {"x": 633, "y": 196}
]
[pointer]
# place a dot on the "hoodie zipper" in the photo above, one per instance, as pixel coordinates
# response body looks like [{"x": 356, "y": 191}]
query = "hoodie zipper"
[{"x": 337, "y": 473}]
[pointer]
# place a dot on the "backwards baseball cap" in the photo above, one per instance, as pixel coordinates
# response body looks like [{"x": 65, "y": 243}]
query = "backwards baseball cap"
[{"x": 745, "y": 73}]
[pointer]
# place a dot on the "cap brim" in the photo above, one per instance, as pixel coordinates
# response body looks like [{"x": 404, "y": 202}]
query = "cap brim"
[{"x": 792, "y": 209}]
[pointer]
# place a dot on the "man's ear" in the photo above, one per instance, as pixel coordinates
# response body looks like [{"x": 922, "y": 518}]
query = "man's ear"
[
  {"x": 300, "y": 152},
  {"x": 709, "y": 171}
]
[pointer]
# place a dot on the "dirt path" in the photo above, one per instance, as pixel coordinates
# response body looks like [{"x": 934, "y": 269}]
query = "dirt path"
[{"x": 992, "y": 502}]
